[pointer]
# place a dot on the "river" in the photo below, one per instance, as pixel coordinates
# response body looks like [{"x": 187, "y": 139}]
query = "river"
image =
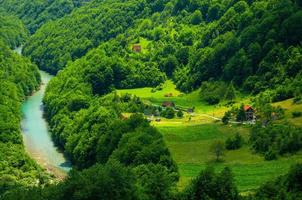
[{"x": 37, "y": 138}]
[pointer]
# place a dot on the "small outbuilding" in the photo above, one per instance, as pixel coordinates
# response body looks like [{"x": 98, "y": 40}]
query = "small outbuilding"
[
  {"x": 137, "y": 48},
  {"x": 168, "y": 104},
  {"x": 249, "y": 112}
]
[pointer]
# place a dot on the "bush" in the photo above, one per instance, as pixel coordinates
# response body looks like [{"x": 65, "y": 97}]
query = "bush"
[
  {"x": 212, "y": 100},
  {"x": 297, "y": 100},
  {"x": 270, "y": 155},
  {"x": 211, "y": 185},
  {"x": 180, "y": 114},
  {"x": 234, "y": 143},
  {"x": 217, "y": 149},
  {"x": 226, "y": 118},
  {"x": 296, "y": 114},
  {"x": 212, "y": 92},
  {"x": 240, "y": 116},
  {"x": 168, "y": 113}
]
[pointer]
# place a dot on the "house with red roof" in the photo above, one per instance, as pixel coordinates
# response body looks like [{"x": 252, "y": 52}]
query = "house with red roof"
[{"x": 249, "y": 112}]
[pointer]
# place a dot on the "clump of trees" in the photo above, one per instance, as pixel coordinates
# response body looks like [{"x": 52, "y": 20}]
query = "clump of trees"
[
  {"x": 233, "y": 143},
  {"x": 276, "y": 139},
  {"x": 211, "y": 185},
  {"x": 168, "y": 113},
  {"x": 213, "y": 92}
]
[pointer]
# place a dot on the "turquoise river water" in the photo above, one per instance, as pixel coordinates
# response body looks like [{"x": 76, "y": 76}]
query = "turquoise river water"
[{"x": 36, "y": 135}]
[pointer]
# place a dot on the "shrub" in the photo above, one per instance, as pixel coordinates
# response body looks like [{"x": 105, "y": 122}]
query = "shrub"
[
  {"x": 180, "y": 114},
  {"x": 212, "y": 92},
  {"x": 296, "y": 114},
  {"x": 240, "y": 116},
  {"x": 168, "y": 113},
  {"x": 217, "y": 149},
  {"x": 234, "y": 143},
  {"x": 226, "y": 118},
  {"x": 211, "y": 185},
  {"x": 270, "y": 155},
  {"x": 212, "y": 99},
  {"x": 297, "y": 100}
]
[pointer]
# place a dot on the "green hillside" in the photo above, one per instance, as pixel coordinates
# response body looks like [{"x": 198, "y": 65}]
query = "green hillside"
[
  {"x": 35, "y": 13},
  {"x": 13, "y": 32},
  {"x": 18, "y": 78},
  {"x": 181, "y": 100}
]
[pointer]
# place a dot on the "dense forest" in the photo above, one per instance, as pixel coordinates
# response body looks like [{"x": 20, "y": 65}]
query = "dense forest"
[
  {"x": 219, "y": 47},
  {"x": 13, "y": 32},
  {"x": 34, "y": 13},
  {"x": 265, "y": 35},
  {"x": 18, "y": 78}
]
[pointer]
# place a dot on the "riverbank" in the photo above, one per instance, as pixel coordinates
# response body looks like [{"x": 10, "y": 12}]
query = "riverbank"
[{"x": 37, "y": 139}]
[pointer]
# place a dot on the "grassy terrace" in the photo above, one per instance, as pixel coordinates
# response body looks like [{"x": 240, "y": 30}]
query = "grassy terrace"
[
  {"x": 189, "y": 140},
  {"x": 189, "y": 146}
]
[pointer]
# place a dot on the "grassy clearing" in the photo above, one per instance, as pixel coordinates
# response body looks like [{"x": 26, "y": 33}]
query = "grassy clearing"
[
  {"x": 289, "y": 108},
  {"x": 180, "y": 99},
  {"x": 189, "y": 140},
  {"x": 144, "y": 44},
  {"x": 189, "y": 146}
]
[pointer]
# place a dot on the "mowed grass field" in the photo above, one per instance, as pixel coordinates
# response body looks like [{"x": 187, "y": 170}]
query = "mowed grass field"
[
  {"x": 180, "y": 99},
  {"x": 290, "y": 107},
  {"x": 189, "y": 146},
  {"x": 189, "y": 139}
]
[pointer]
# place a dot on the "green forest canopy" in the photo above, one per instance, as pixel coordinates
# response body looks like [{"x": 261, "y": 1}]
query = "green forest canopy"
[{"x": 255, "y": 45}]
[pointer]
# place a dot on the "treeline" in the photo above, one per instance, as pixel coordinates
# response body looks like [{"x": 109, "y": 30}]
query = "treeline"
[
  {"x": 113, "y": 181},
  {"x": 276, "y": 139},
  {"x": 35, "y": 13},
  {"x": 18, "y": 78},
  {"x": 249, "y": 44},
  {"x": 13, "y": 32}
]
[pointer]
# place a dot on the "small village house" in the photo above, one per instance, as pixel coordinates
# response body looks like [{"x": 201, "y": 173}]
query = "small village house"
[
  {"x": 137, "y": 48},
  {"x": 249, "y": 112},
  {"x": 168, "y": 104}
]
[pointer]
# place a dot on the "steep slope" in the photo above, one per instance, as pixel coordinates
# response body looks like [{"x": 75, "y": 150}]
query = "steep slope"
[
  {"x": 18, "y": 78},
  {"x": 35, "y": 13},
  {"x": 13, "y": 32},
  {"x": 243, "y": 42},
  {"x": 69, "y": 38}
]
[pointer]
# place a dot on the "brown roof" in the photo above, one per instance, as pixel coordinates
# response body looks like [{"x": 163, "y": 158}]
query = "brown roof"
[
  {"x": 137, "y": 47},
  {"x": 168, "y": 104}
]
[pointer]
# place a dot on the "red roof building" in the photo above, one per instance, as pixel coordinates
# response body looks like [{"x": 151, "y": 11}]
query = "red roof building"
[{"x": 249, "y": 112}]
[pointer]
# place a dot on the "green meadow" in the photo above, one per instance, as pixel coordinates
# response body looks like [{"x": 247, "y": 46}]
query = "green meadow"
[
  {"x": 189, "y": 146},
  {"x": 180, "y": 99},
  {"x": 189, "y": 139}
]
